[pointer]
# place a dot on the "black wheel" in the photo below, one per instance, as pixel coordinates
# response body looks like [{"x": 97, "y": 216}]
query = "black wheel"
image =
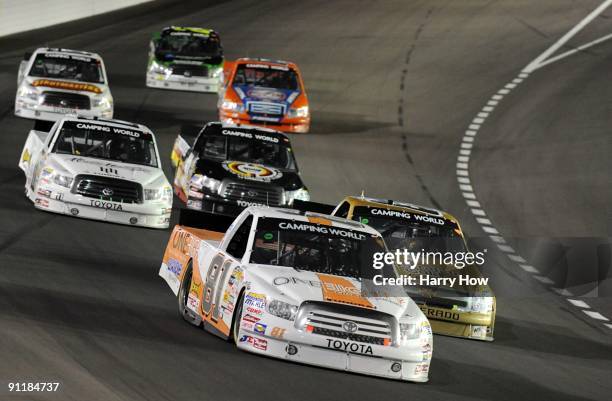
[
  {"x": 237, "y": 318},
  {"x": 183, "y": 296}
]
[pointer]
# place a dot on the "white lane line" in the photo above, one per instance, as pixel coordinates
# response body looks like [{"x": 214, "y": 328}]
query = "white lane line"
[
  {"x": 466, "y": 145},
  {"x": 462, "y": 172},
  {"x": 462, "y": 165},
  {"x": 506, "y": 248},
  {"x": 466, "y": 187},
  {"x": 562, "y": 291},
  {"x": 579, "y": 303},
  {"x": 470, "y": 132},
  {"x": 463, "y": 180},
  {"x": 497, "y": 239},
  {"x": 465, "y": 152},
  {"x": 481, "y": 220},
  {"x": 542, "y": 279},
  {"x": 468, "y": 139},
  {"x": 529, "y": 269},
  {"x": 473, "y": 203},
  {"x": 573, "y": 51},
  {"x": 608, "y": 325},
  {"x": 489, "y": 229},
  {"x": 478, "y": 212},
  {"x": 469, "y": 195},
  {"x": 596, "y": 315},
  {"x": 517, "y": 258},
  {"x": 474, "y": 126},
  {"x": 570, "y": 34}
]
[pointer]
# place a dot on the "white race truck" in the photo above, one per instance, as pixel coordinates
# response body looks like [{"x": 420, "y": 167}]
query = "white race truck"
[
  {"x": 98, "y": 169},
  {"x": 288, "y": 284},
  {"x": 52, "y": 82}
]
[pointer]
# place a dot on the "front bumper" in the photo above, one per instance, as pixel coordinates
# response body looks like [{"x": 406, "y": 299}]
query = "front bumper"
[
  {"x": 472, "y": 325},
  {"x": 35, "y": 111},
  {"x": 151, "y": 214},
  {"x": 290, "y": 125},
  {"x": 323, "y": 351},
  {"x": 180, "y": 82}
]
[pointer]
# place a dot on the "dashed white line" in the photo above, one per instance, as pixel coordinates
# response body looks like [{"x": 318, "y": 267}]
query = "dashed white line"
[
  {"x": 468, "y": 142},
  {"x": 596, "y": 315},
  {"x": 529, "y": 269},
  {"x": 579, "y": 303}
]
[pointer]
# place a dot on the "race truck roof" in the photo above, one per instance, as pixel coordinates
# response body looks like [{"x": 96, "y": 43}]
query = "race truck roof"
[{"x": 188, "y": 29}]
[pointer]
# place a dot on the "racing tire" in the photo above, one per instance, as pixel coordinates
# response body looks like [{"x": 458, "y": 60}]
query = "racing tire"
[
  {"x": 183, "y": 296},
  {"x": 237, "y": 318}
]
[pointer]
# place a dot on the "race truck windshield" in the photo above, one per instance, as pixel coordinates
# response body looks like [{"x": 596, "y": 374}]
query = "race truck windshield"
[
  {"x": 249, "y": 149},
  {"x": 314, "y": 247},
  {"x": 404, "y": 231},
  {"x": 106, "y": 142},
  {"x": 266, "y": 76},
  {"x": 187, "y": 44},
  {"x": 62, "y": 66}
]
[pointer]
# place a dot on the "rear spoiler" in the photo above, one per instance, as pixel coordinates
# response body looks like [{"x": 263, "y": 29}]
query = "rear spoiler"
[
  {"x": 206, "y": 220},
  {"x": 307, "y": 206}
]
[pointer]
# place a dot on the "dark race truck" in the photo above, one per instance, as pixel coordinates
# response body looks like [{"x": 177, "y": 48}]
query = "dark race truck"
[{"x": 225, "y": 168}]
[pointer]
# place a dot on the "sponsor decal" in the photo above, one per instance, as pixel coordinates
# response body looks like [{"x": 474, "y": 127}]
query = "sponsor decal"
[
  {"x": 323, "y": 229},
  {"x": 278, "y": 332},
  {"x": 340, "y": 289},
  {"x": 266, "y": 94},
  {"x": 41, "y": 202},
  {"x": 350, "y": 347},
  {"x": 250, "y": 318},
  {"x": 257, "y": 343},
  {"x": 392, "y": 213},
  {"x": 259, "y": 328},
  {"x": 77, "y": 86},
  {"x": 250, "y": 135},
  {"x": 193, "y": 302},
  {"x": 243, "y": 203},
  {"x": 109, "y": 170},
  {"x": 106, "y": 205},
  {"x": 26, "y": 156},
  {"x": 107, "y": 128},
  {"x": 255, "y": 300},
  {"x": 174, "y": 266},
  {"x": 255, "y": 311},
  {"x": 260, "y": 343},
  {"x": 428, "y": 219},
  {"x": 252, "y": 171},
  {"x": 421, "y": 368},
  {"x": 268, "y": 66},
  {"x": 228, "y": 297},
  {"x": 439, "y": 314},
  {"x": 46, "y": 172}
]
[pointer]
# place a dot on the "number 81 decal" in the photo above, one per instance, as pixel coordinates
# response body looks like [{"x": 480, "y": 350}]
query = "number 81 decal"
[{"x": 215, "y": 277}]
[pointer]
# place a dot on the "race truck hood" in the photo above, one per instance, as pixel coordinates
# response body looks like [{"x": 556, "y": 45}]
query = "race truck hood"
[
  {"x": 296, "y": 286},
  {"x": 258, "y": 173},
  {"x": 249, "y": 93},
  {"x": 73, "y": 165},
  {"x": 67, "y": 85}
]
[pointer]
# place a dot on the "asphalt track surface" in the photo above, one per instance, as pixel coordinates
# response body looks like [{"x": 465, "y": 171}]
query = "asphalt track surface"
[{"x": 392, "y": 85}]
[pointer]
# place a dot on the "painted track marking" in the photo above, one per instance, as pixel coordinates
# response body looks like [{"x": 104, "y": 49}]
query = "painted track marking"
[{"x": 467, "y": 143}]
